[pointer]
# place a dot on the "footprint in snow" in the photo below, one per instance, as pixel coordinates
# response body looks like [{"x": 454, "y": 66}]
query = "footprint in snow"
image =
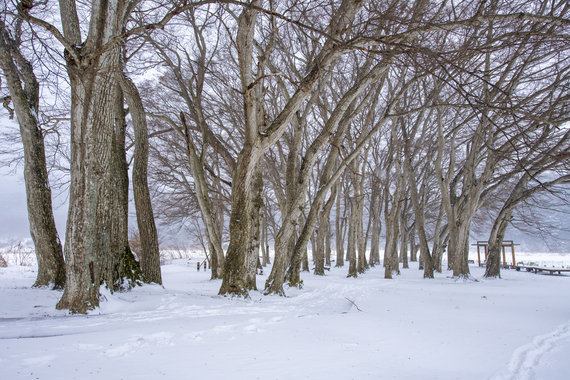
[{"x": 525, "y": 358}]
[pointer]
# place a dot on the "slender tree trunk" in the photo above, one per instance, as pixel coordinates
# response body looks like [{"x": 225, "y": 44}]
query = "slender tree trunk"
[
  {"x": 338, "y": 229},
  {"x": 256, "y": 212},
  {"x": 493, "y": 266},
  {"x": 391, "y": 264},
  {"x": 376, "y": 222},
  {"x": 328, "y": 240},
  {"x": 213, "y": 226},
  {"x": 150, "y": 254},
  {"x": 404, "y": 236},
  {"x": 49, "y": 254},
  {"x": 127, "y": 272},
  {"x": 362, "y": 265},
  {"x": 264, "y": 247},
  {"x": 352, "y": 234},
  {"x": 323, "y": 238},
  {"x": 413, "y": 246}
]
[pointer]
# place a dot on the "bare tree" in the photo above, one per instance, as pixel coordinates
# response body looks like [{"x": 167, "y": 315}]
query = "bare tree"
[{"x": 25, "y": 95}]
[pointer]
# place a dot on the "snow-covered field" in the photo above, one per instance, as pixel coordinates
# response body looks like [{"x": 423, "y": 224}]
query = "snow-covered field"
[{"x": 335, "y": 328}]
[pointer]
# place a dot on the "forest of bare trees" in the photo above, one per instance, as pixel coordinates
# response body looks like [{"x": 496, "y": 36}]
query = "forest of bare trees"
[{"x": 284, "y": 126}]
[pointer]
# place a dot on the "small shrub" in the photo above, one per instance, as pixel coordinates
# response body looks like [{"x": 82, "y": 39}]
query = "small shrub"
[
  {"x": 3, "y": 263},
  {"x": 23, "y": 254}
]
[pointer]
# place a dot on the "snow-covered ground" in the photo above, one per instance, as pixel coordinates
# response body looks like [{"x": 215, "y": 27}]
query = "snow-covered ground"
[{"x": 335, "y": 328}]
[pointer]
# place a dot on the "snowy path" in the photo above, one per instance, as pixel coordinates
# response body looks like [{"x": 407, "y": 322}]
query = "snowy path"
[
  {"x": 527, "y": 358},
  {"x": 335, "y": 328}
]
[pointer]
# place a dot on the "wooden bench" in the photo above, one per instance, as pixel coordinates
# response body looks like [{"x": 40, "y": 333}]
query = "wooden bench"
[{"x": 536, "y": 269}]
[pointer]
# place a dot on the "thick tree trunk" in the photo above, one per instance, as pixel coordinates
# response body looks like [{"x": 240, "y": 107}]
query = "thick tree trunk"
[
  {"x": 235, "y": 270},
  {"x": 458, "y": 248},
  {"x": 49, "y": 254},
  {"x": 88, "y": 247},
  {"x": 92, "y": 153}
]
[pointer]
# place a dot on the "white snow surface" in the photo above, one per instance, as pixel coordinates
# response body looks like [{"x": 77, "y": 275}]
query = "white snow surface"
[{"x": 517, "y": 327}]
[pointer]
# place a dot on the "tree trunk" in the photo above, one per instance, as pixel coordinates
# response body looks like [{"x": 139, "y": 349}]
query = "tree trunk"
[
  {"x": 264, "y": 247},
  {"x": 49, "y": 254},
  {"x": 458, "y": 248},
  {"x": 234, "y": 280},
  {"x": 338, "y": 229},
  {"x": 150, "y": 254},
  {"x": 127, "y": 272},
  {"x": 213, "y": 233},
  {"x": 88, "y": 222},
  {"x": 376, "y": 221},
  {"x": 352, "y": 234},
  {"x": 88, "y": 246},
  {"x": 323, "y": 239},
  {"x": 493, "y": 266},
  {"x": 328, "y": 239},
  {"x": 391, "y": 262},
  {"x": 404, "y": 232},
  {"x": 256, "y": 212},
  {"x": 413, "y": 245},
  {"x": 362, "y": 265},
  {"x": 255, "y": 145}
]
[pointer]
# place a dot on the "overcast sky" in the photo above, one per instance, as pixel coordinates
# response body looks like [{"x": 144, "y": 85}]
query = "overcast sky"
[{"x": 14, "y": 224}]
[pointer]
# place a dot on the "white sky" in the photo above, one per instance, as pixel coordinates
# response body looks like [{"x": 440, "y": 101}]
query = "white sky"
[{"x": 14, "y": 224}]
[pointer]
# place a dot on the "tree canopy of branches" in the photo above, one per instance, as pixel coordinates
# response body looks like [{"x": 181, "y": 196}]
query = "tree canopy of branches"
[{"x": 261, "y": 118}]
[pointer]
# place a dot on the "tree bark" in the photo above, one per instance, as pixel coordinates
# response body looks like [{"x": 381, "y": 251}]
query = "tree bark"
[
  {"x": 338, "y": 229},
  {"x": 376, "y": 221},
  {"x": 150, "y": 253},
  {"x": 404, "y": 232},
  {"x": 127, "y": 272},
  {"x": 49, "y": 253},
  {"x": 256, "y": 212},
  {"x": 88, "y": 247}
]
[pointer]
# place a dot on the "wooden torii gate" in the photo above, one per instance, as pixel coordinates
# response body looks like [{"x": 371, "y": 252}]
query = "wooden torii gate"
[{"x": 506, "y": 243}]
